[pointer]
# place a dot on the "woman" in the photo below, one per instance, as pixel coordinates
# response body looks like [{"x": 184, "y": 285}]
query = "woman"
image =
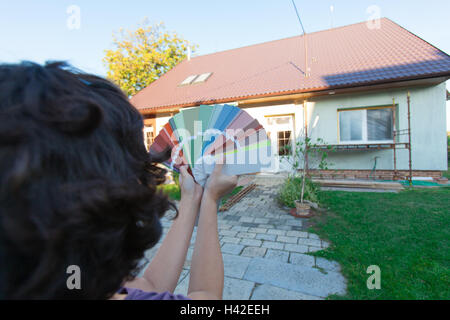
[{"x": 78, "y": 188}]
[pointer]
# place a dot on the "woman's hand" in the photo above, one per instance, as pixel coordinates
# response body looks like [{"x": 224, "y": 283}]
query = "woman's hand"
[
  {"x": 219, "y": 184},
  {"x": 190, "y": 190}
]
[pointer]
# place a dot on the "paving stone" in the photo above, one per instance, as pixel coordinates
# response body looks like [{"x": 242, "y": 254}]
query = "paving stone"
[
  {"x": 327, "y": 264},
  {"x": 184, "y": 273},
  {"x": 225, "y": 227},
  {"x": 250, "y": 225},
  {"x": 285, "y": 228},
  {"x": 257, "y": 230},
  {"x": 299, "y": 234},
  {"x": 294, "y": 223},
  {"x": 150, "y": 253},
  {"x": 235, "y": 266},
  {"x": 236, "y": 289},
  {"x": 274, "y": 221},
  {"x": 314, "y": 249},
  {"x": 287, "y": 239},
  {"x": 301, "y": 259},
  {"x": 325, "y": 244},
  {"x": 231, "y": 217},
  {"x": 230, "y": 240},
  {"x": 182, "y": 286},
  {"x": 246, "y": 219},
  {"x": 268, "y": 292},
  {"x": 296, "y": 248},
  {"x": 239, "y": 228},
  {"x": 189, "y": 254},
  {"x": 266, "y": 226},
  {"x": 228, "y": 233},
  {"x": 309, "y": 242},
  {"x": 270, "y": 237},
  {"x": 277, "y": 232},
  {"x": 251, "y": 242},
  {"x": 221, "y": 223},
  {"x": 313, "y": 236},
  {"x": 232, "y": 248},
  {"x": 272, "y": 245},
  {"x": 302, "y": 279},
  {"x": 253, "y": 252},
  {"x": 279, "y": 255},
  {"x": 248, "y": 235}
]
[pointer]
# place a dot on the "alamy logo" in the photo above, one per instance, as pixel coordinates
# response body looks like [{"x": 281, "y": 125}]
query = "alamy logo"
[
  {"x": 74, "y": 19},
  {"x": 374, "y": 281},
  {"x": 74, "y": 280}
]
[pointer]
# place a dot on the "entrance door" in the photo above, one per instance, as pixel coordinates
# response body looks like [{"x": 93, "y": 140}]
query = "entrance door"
[{"x": 280, "y": 130}]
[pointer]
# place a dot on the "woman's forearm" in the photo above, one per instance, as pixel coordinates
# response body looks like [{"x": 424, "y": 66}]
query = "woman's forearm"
[
  {"x": 207, "y": 265},
  {"x": 165, "y": 268}
]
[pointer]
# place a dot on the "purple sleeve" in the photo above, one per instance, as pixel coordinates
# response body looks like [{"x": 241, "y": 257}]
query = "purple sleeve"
[{"x": 137, "y": 294}]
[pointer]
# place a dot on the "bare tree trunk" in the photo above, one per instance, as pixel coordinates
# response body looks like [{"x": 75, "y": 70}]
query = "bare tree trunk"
[{"x": 303, "y": 177}]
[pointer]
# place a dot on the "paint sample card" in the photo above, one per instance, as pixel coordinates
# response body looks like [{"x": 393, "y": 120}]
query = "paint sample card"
[{"x": 202, "y": 136}]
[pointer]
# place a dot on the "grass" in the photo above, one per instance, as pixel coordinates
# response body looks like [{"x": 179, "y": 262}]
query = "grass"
[
  {"x": 406, "y": 234},
  {"x": 171, "y": 190}
]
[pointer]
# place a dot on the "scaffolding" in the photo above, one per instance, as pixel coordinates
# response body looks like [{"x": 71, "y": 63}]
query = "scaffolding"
[{"x": 395, "y": 145}]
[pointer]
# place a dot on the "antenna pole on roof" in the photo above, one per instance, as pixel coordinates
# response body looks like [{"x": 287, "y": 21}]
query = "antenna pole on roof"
[
  {"x": 331, "y": 14},
  {"x": 306, "y": 43}
]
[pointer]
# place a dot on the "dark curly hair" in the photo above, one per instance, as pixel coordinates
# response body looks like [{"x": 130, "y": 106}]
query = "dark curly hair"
[{"x": 77, "y": 184}]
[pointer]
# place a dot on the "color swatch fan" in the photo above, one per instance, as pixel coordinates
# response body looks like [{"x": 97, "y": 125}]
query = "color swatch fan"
[{"x": 201, "y": 136}]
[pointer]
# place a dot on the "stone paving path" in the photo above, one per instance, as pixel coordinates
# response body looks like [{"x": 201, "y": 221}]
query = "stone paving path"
[{"x": 264, "y": 250}]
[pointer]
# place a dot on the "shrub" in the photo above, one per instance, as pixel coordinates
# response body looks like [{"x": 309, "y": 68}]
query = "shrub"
[{"x": 291, "y": 189}]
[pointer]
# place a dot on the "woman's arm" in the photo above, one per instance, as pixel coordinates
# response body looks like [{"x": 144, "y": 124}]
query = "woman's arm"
[
  {"x": 164, "y": 270},
  {"x": 207, "y": 275}
]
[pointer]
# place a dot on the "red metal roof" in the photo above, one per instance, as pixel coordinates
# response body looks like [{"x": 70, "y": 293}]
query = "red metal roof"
[{"x": 347, "y": 56}]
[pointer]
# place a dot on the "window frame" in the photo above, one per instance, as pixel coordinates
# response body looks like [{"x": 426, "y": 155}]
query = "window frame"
[
  {"x": 364, "y": 124},
  {"x": 288, "y": 128},
  {"x": 287, "y": 140},
  {"x": 148, "y": 129}
]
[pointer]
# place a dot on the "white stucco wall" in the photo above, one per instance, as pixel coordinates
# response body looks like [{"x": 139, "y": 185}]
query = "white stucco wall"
[
  {"x": 161, "y": 120},
  {"x": 428, "y": 128}
]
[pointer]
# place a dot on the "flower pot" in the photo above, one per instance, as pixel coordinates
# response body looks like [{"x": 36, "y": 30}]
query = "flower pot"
[{"x": 302, "y": 209}]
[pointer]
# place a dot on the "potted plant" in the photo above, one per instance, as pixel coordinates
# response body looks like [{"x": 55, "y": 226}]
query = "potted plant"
[{"x": 304, "y": 155}]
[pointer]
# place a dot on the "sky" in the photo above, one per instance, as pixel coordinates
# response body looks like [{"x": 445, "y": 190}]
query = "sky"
[{"x": 44, "y": 30}]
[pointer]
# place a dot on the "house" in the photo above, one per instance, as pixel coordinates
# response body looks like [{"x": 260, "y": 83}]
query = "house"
[{"x": 348, "y": 86}]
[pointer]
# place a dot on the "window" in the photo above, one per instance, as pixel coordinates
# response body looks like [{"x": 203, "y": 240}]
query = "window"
[
  {"x": 366, "y": 125},
  {"x": 203, "y": 77},
  {"x": 148, "y": 136},
  {"x": 284, "y": 140},
  {"x": 188, "y": 80},
  {"x": 195, "y": 78},
  {"x": 280, "y": 129}
]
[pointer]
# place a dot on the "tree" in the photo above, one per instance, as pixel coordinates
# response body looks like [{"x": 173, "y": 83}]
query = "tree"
[
  {"x": 306, "y": 154},
  {"x": 143, "y": 55}
]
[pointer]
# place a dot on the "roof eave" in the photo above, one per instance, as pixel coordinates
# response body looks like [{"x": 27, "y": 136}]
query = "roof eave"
[{"x": 306, "y": 93}]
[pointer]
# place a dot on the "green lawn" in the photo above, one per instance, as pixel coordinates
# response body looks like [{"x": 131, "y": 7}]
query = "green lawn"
[
  {"x": 406, "y": 234},
  {"x": 171, "y": 190}
]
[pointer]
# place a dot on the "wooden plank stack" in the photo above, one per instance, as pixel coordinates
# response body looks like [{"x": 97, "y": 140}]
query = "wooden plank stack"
[
  {"x": 238, "y": 196},
  {"x": 360, "y": 184}
]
